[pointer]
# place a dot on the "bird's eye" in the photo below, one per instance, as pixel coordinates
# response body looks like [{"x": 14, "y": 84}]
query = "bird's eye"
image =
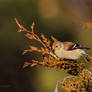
[{"x": 56, "y": 46}]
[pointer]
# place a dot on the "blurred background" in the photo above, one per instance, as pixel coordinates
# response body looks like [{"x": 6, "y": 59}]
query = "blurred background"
[{"x": 61, "y": 18}]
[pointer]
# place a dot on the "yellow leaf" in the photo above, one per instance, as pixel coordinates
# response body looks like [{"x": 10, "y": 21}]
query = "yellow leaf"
[
  {"x": 26, "y": 64},
  {"x": 87, "y": 25}
]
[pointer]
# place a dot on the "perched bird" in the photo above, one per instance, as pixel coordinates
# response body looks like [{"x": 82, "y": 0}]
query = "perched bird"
[{"x": 69, "y": 50}]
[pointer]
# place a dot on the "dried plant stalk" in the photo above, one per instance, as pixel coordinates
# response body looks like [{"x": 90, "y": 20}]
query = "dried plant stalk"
[{"x": 83, "y": 80}]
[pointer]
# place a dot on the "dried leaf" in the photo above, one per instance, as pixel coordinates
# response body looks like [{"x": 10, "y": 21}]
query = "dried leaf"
[
  {"x": 19, "y": 30},
  {"x": 87, "y": 25},
  {"x": 26, "y": 64},
  {"x": 90, "y": 59},
  {"x": 25, "y": 51},
  {"x": 53, "y": 38},
  {"x": 30, "y": 36},
  {"x": 44, "y": 38},
  {"x": 48, "y": 43},
  {"x": 33, "y": 47},
  {"x": 32, "y": 26},
  {"x": 32, "y": 65}
]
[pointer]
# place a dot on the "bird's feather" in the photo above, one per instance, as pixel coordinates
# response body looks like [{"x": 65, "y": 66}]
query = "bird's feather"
[{"x": 73, "y": 46}]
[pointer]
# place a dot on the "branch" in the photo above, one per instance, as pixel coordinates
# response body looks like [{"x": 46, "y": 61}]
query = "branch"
[{"x": 33, "y": 35}]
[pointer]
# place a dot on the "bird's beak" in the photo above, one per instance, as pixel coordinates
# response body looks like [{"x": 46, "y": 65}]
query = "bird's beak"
[{"x": 53, "y": 49}]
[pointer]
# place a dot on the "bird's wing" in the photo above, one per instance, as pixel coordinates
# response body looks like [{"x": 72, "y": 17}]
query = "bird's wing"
[
  {"x": 73, "y": 46},
  {"x": 68, "y": 45}
]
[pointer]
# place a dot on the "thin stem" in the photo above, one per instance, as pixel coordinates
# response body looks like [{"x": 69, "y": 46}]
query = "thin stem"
[{"x": 31, "y": 32}]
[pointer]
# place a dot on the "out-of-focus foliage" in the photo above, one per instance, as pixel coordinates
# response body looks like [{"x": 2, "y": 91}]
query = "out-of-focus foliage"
[
  {"x": 61, "y": 18},
  {"x": 81, "y": 83},
  {"x": 87, "y": 26}
]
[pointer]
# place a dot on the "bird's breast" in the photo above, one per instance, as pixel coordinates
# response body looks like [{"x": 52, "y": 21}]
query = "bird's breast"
[{"x": 74, "y": 54}]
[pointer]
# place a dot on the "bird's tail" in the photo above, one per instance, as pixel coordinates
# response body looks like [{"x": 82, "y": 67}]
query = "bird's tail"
[
  {"x": 86, "y": 57},
  {"x": 84, "y": 48}
]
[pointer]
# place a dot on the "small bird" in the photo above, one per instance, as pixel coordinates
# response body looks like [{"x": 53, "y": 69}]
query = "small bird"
[{"x": 69, "y": 50}]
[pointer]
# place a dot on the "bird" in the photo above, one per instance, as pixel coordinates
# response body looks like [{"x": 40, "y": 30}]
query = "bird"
[{"x": 69, "y": 50}]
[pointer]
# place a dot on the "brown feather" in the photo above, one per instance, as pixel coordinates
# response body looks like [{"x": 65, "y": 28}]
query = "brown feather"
[
  {"x": 73, "y": 46},
  {"x": 68, "y": 45}
]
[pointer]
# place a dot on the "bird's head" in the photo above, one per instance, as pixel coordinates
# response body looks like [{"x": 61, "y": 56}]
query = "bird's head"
[{"x": 57, "y": 45}]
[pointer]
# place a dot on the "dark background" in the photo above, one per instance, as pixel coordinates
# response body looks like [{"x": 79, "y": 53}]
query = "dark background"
[{"x": 61, "y": 18}]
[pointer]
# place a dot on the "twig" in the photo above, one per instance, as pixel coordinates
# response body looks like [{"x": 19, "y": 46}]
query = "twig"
[{"x": 28, "y": 31}]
